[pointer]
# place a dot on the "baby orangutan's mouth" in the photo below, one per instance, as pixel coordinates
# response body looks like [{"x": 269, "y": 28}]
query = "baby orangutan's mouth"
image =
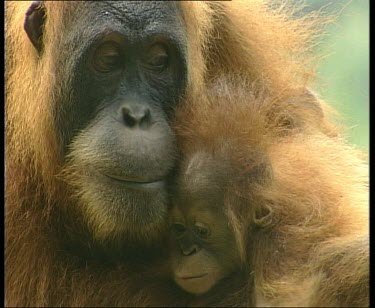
[{"x": 193, "y": 276}]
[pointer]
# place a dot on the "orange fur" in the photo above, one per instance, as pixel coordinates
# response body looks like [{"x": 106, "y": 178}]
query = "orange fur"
[
  {"x": 317, "y": 195},
  {"x": 270, "y": 46}
]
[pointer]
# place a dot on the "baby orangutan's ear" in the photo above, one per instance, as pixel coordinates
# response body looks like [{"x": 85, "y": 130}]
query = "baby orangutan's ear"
[
  {"x": 263, "y": 216},
  {"x": 293, "y": 113}
]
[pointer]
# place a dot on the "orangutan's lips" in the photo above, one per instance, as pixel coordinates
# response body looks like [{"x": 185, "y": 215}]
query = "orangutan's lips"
[
  {"x": 138, "y": 183},
  {"x": 193, "y": 277}
]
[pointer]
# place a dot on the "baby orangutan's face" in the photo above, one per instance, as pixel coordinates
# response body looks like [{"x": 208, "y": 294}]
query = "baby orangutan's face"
[{"x": 203, "y": 247}]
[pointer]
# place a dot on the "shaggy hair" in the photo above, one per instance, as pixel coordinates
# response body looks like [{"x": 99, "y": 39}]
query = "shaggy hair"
[
  {"x": 313, "y": 191},
  {"x": 268, "y": 45}
]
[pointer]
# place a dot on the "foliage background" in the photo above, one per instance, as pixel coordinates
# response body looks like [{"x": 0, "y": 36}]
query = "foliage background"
[{"x": 343, "y": 79}]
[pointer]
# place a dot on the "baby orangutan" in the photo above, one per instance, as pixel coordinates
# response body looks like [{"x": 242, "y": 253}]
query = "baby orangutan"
[
  {"x": 206, "y": 257},
  {"x": 270, "y": 207},
  {"x": 204, "y": 248}
]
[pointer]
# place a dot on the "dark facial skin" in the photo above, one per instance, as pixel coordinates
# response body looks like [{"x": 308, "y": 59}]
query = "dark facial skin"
[
  {"x": 203, "y": 247},
  {"x": 121, "y": 70},
  {"x": 128, "y": 55}
]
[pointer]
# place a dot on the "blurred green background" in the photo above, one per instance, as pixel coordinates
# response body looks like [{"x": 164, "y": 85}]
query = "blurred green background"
[{"x": 344, "y": 72}]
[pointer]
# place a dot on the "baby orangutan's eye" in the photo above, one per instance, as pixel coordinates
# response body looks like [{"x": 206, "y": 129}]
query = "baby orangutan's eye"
[
  {"x": 201, "y": 230},
  {"x": 178, "y": 229}
]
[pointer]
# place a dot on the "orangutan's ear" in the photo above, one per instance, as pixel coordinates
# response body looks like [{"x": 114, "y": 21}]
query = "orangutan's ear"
[{"x": 34, "y": 21}]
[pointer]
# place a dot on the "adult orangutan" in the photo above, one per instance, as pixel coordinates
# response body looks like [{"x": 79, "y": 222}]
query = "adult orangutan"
[{"x": 91, "y": 90}]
